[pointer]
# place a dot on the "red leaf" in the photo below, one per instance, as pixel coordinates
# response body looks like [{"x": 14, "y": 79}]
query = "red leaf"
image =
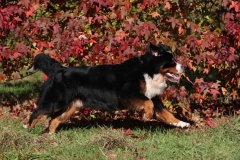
[
  {"x": 199, "y": 81},
  {"x": 86, "y": 111},
  {"x": 127, "y": 132},
  {"x": 183, "y": 49},
  {"x": 209, "y": 122},
  {"x": 98, "y": 18},
  {"x": 234, "y": 94},
  {"x": 136, "y": 40},
  {"x": 30, "y": 12},
  {"x": 168, "y": 5},
  {"x": 22, "y": 48},
  {"x": 56, "y": 28},
  {"x": 173, "y": 21},
  {"x": 234, "y": 5},
  {"x": 214, "y": 93},
  {"x": 25, "y": 3},
  {"x": 195, "y": 27},
  {"x": 16, "y": 112},
  {"x": 130, "y": 20},
  {"x": 205, "y": 71},
  {"x": 215, "y": 85},
  {"x": 199, "y": 58},
  {"x": 127, "y": 5},
  {"x": 84, "y": 7},
  {"x": 144, "y": 4},
  {"x": 101, "y": 3},
  {"x": 16, "y": 54},
  {"x": 35, "y": 6},
  {"x": 232, "y": 58},
  {"x": 45, "y": 77},
  {"x": 180, "y": 30},
  {"x": 50, "y": 44},
  {"x": 225, "y": 2},
  {"x": 228, "y": 16},
  {"x": 2, "y": 77}
]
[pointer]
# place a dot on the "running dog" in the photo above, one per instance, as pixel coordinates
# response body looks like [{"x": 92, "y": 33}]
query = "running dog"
[{"x": 135, "y": 84}]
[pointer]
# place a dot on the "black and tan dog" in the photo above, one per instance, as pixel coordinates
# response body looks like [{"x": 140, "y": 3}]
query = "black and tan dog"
[{"x": 135, "y": 84}]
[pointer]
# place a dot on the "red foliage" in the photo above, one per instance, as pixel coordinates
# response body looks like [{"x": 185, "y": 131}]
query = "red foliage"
[{"x": 99, "y": 32}]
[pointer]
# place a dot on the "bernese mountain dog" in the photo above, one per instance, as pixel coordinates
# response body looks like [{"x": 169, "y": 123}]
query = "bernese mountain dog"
[{"x": 135, "y": 84}]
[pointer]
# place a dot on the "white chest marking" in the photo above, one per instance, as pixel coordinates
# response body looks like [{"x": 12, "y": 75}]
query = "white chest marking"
[{"x": 154, "y": 86}]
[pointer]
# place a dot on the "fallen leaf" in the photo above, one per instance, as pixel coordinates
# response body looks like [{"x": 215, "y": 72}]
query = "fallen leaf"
[
  {"x": 111, "y": 155},
  {"x": 127, "y": 132}
]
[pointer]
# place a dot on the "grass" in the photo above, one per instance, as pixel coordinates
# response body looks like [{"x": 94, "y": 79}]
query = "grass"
[
  {"x": 101, "y": 142},
  {"x": 147, "y": 140},
  {"x": 21, "y": 89}
]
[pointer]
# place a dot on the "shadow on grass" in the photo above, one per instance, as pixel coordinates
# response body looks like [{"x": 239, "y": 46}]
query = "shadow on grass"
[{"x": 116, "y": 124}]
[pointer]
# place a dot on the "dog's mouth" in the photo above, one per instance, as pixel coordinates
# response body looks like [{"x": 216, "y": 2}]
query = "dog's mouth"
[
  {"x": 173, "y": 77},
  {"x": 32, "y": 69}
]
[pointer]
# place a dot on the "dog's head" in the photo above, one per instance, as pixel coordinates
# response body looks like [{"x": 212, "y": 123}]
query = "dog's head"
[
  {"x": 45, "y": 64},
  {"x": 162, "y": 60}
]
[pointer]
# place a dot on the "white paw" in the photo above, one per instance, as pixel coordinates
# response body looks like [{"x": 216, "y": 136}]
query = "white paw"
[
  {"x": 181, "y": 124},
  {"x": 146, "y": 119},
  {"x": 25, "y": 126}
]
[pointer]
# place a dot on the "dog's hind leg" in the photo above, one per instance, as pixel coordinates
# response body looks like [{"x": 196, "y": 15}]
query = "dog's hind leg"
[
  {"x": 162, "y": 114},
  {"x": 70, "y": 110}
]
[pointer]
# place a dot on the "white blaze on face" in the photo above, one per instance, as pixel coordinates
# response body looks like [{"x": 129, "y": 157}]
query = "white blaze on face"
[
  {"x": 180, "y": 68},
  {"x": 154, "y": 86}
]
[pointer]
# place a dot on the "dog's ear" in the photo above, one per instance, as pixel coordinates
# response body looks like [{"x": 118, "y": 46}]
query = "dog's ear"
[
  {"x": 164, "y": 48},
  {"x": 152, "y": 49},
  {"x": 159, "y": 50}
]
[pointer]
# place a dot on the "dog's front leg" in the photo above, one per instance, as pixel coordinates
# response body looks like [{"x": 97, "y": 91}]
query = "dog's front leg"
[
  {"x": 34, "y": 118},
  {"x": 162, "y": 114}
]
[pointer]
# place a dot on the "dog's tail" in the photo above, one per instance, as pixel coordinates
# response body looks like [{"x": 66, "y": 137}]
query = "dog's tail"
[{"x": 46, "y": 64}]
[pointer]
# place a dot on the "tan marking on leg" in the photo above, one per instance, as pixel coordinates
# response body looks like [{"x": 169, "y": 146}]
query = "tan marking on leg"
[
  {"x": 137, "y": 104},
  {"x": 148, "y": 109},
  {"x": 168, "y": 118},
  {"x": 54, "y": 124},
  {"x": 72, "y": 107}
]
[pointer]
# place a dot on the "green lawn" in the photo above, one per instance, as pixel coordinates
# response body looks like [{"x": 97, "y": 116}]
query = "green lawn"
[
  {"x": 102, "y": 142},
  {"x": 21, "y": 90}
]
